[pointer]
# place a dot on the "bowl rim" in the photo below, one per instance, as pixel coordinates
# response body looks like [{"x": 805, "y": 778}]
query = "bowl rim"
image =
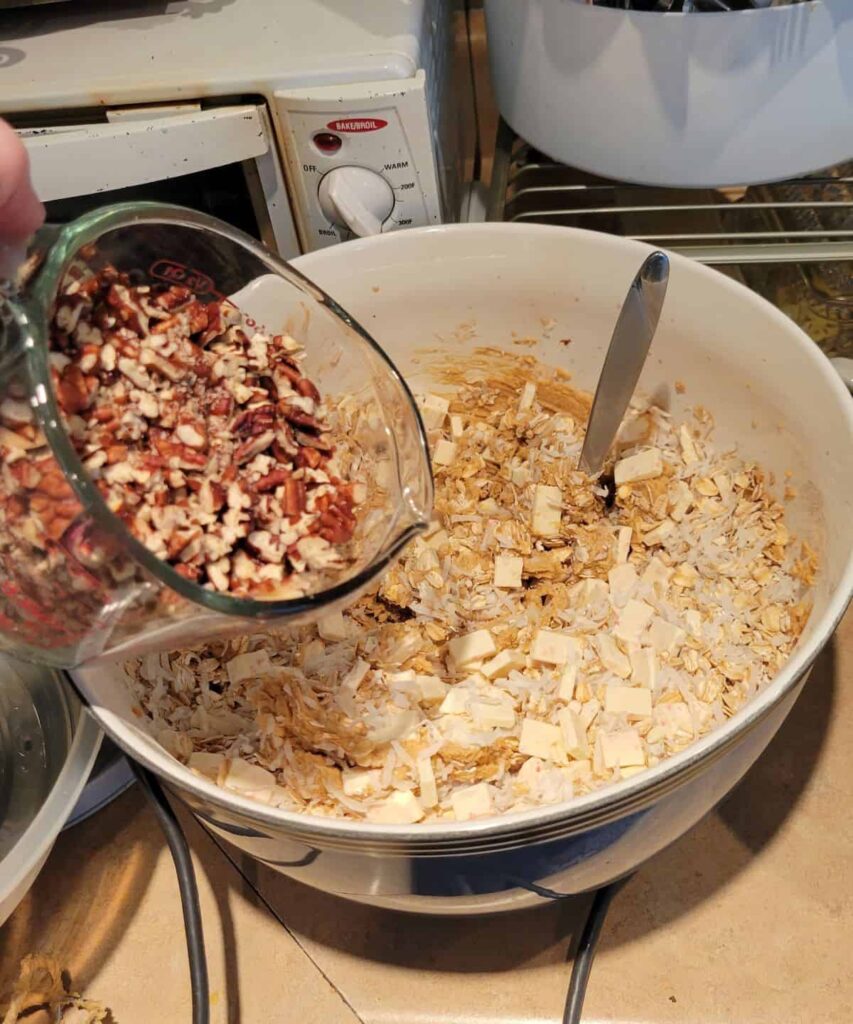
[{"x": 644, "y": 786}]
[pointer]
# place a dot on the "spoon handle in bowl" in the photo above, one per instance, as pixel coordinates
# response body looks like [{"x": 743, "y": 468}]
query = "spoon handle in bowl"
[{"x": 629, "y": 346}]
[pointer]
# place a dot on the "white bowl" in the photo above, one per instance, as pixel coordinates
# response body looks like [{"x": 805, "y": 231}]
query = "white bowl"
[
  {"x": 677, "y": 99},
  {"x": 773, "y": 393}
]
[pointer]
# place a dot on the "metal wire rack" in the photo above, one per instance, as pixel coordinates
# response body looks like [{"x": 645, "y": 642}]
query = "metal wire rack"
[{"x": 791, "y": 241}]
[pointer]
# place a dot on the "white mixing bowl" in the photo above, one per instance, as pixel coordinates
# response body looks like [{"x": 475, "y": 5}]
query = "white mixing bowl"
[
  {"x": 677, "y": 99},
  {"x": 773, "y": 393}
]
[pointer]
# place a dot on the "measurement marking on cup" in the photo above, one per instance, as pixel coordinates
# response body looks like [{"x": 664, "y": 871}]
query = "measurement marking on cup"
[
  {"x": 177, "y": 273},
  {"x": 198, "y": 282}
]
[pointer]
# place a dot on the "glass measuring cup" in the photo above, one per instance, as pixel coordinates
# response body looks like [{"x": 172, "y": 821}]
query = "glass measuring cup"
[{"x": 76, "y": 586}]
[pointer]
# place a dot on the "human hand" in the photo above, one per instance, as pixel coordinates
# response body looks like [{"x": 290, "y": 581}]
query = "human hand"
[{"x": 21, "y": 212}]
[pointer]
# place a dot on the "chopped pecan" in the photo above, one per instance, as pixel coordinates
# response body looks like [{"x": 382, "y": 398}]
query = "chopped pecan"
[
  {"x": 254, "y": 446},
  {"x": 254, "y": 421},
  {"x": 309, "y": 457},
  {"x": 306, "y": 388},
  {"x": 74, "y": 392},
  {"x": 272, "y": 480},
  {"x": 299, "y": 418},
  {"x": 295, "y": 497}
]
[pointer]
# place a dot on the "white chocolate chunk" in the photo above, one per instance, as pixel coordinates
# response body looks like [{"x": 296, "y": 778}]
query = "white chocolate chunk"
[
  {"x": 621, "y": 749},
  {"x": 434, "y": 411},
  {"x": 243, "y": 777},
  {"x": 628, "y": 700},
  {"x": 694, "y": 622},
  {"x": 471, "y": 647},
  {"x": 361, "y": 781},
  {"x": 554, "y": 648},
  {"x": 426, "y": 782},
  {"x": 248, "y": 666},
  {"x": 589, "y": 593},
  {"x": 456, "y": 701},
  {"x": 663, "y": 636},
  {"x": 623, "y": 544},
  {"x": 489, "y": 715},
  {"x": 508, "y": 571},
  {"x": 622, "y": 580},
  {"x": 445, "y": 452},
  {"x": 206, "y": 763},
  {"x": 541, "y": 739},
  {"x": 528, "y": 393},
  {"x": 645, "y": 465},
  {"x": 589, "y": 712},
  {"x": 432, "y": 688},
  {"x": 473, "y": 802},
  {"x": 457, "y": 427},
  {"x": 333, "y": 627},
  {"x": 643, "y": 666},
  {"x": 681, "y": 498},
  {"x": 502, "y": 664},
  {"x": 567, "y": 682},
  {"x": 400, "y": 808},
  {"x": 547, "y": 511},
  {"x": 610, "y": 656},
  {"x": 573, "y": 733},
  {"x": 633, "y": 619}
]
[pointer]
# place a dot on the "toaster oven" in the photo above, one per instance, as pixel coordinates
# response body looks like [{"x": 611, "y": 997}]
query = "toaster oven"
[{"x": 304, "y": 124}]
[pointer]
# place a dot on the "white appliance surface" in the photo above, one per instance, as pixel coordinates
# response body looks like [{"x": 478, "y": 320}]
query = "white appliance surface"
[
  {"x": 102, "y": 53},
  {"x": 353, "y": 110}
]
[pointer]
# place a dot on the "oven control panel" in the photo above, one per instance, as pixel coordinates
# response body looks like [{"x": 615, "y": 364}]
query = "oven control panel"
[{"x": 361, "y": 159}]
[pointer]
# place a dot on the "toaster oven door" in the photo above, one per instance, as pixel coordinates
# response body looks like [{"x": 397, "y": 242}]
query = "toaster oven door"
[{"x": 222, "y": 160}]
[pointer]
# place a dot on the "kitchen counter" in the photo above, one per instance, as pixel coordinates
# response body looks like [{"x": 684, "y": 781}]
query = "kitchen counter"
[{"x": 748, "y": 918}]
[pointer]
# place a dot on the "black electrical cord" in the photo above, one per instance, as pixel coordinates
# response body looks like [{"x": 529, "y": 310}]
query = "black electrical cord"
[
  {"x": 586, "y": 951},
  {"x": 188, "y": 889}
]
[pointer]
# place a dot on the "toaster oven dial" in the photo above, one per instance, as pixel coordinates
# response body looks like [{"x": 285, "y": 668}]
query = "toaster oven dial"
[{"x": 356, "y": 198}]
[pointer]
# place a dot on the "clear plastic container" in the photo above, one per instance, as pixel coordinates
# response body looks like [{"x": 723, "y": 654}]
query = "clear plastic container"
[{"x": 75, "y": 585}]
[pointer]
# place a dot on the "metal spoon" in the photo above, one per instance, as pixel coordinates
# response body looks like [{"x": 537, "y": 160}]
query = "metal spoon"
[{"x": 629, "y": 346}]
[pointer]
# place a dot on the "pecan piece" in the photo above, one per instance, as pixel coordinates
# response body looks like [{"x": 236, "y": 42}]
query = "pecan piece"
[
  {"x": 309, "y": 457},
  {"x": 174, "y": 296},
  {"x": 272, "y": 480},
  {"x": 299, "y": 418},
  {"x": 221, "y": 405},
  {"x": 318, "y": 441},
  {"x": 254, "y": 421},
  {"x": 75, "y": 395},
  {"x": 306, "y": 388},
  {"x": 295, "y": 497},
  {"x": 254, "y": 446}
]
